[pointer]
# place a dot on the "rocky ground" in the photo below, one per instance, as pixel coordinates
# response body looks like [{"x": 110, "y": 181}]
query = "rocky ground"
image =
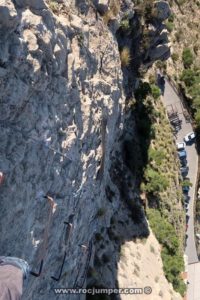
[
  {"x": 185, "y": 33},
  {"x": 134, "y": 260}
]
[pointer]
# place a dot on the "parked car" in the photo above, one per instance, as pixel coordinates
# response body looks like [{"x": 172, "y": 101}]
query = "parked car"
[
  {"x": 186, "y": 189},
  {"x": 183, "y": 162},
  {"x": 184, "y": 169},
  {"x": 182, "y": 154},
  {"x": 187, "y": 218},
  {"x": 186, "y": 198},
  {"x": 180, "y": 146},
  {"x": 189, "y": 137}
]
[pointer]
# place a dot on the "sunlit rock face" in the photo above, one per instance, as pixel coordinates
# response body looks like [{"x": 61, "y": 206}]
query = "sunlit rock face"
[{"x": 61, "y": 114}]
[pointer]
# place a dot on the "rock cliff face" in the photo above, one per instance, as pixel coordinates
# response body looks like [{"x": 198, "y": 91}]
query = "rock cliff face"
[{"x": 61, "y": 117}]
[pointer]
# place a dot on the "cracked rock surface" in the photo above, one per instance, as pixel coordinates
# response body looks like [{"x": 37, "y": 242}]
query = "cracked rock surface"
[
  {"x": 61, "y": 119},
  {"x": 59, "y": 78}
]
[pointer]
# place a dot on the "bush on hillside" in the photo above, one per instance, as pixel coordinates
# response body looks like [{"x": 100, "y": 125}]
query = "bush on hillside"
[
  {"x": 125, "y": 25},
  {"x": 186, "y": 182},
  {"x": 173, "y": 263},
  {"x": 196, "y": 102},
  {"x": 169, "y": 26},
  {"x": 156, "y": 155},
  {"x": 155, "y": 91},
  {"x": 187, "y": 57},
  {"x": 188, "y": 76},
  {"x": 156, "y": 182},
  {"x": 197, "y": 118}
]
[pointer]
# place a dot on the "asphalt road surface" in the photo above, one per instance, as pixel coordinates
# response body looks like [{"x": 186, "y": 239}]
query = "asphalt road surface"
[{"x": 172, "y": 101}]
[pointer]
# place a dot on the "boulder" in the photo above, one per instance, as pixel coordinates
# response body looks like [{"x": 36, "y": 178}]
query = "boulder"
[
  {"x": 76, "y": 22},
  {"x": 160, "y": 52},
  {"x": 33, "y": 4},
  {"x": 163, "y": 36},
  {"x": 8, "y": 14},
  {"x": 162, "y": 10},
  {"x": 31, "y": 40},
  {"x": 102, "y": 6}
]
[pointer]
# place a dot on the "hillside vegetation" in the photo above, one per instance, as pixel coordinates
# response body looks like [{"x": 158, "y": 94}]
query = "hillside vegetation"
[
  {"x": 184, "y": 65},
  {"x": 161, "y": 182}
]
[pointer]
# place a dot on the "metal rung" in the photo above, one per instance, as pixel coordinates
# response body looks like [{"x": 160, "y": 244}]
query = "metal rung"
[
  {"x": 61, "y": 269},
  {"x": 40, "y": 270}
]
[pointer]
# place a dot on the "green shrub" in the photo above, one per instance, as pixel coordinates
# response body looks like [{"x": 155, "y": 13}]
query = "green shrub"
[
  {"x": 164, "y": 231},
  {"x": 171, "y": 18},
  {"x": 194, "y": 90},
  {"x": 54, "y": 6},
  {"x": 156, "y": 155},
  {"x": 173, "y": 263},
  {"x": 187, "y": 57},
  {"x": 196, "y": 102},
  {"x": 156, "y": 182},
  {"x": 188, "y": 76},
  {"x": 125, "y": 25},
  {"x": 169, "y": 26},
  {"x": 186, "y": 182},
  {"x": 173, "y": 266},
  {"x": 155, "y": 91},
  {"x": 197, "y": 118}
]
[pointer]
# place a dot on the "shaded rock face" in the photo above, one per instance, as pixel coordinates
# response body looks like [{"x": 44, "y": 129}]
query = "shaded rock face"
[
  {"x": 8, "y": 14},
  {"x": 102, "y": 5},
  {"x": 160, "y": 52},
  {"x": 34, "y": 4},
  {"x": 162, "y": 10}
]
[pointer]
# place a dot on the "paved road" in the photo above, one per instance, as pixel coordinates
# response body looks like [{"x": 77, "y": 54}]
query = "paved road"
[
  {"x": 194, "y": 281},
  {"x": 170, "y": 97}
]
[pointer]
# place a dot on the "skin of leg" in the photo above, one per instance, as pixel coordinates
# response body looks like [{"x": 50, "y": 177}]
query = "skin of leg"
[{"x": 11, "y": 282}]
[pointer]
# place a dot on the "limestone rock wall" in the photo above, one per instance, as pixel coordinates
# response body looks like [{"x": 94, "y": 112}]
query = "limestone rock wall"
[
  {"x": 61, "y": 122},
  {"x": 61, "y": 112}
]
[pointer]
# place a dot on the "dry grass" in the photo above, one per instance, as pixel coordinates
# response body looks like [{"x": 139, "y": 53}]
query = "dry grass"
[
  {"x": 108, "y": 16},
  {"x": 125, "y": 57},
  {"x": 112, "y": 12},
  {"x": 115, "y": 7},
  {"x": 54, "y": 6}
]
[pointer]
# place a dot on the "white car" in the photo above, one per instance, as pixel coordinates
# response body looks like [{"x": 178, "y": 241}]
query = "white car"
[
  {"x": 180, "y": 146},
  {"x": 189, "y": 137}
]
